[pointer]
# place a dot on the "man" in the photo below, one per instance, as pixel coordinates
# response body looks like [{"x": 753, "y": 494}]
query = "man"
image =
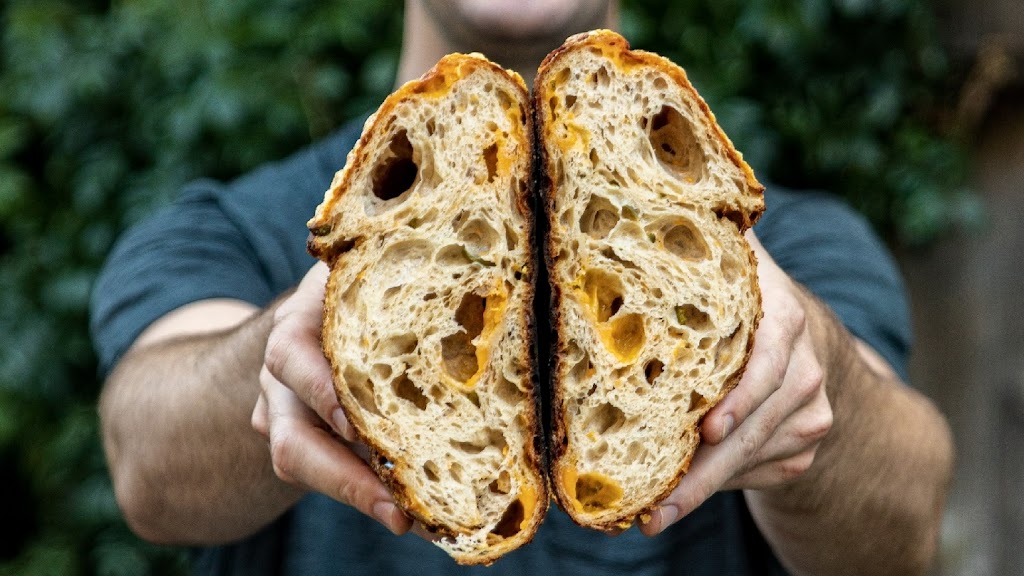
[{"x": 222, "y": 430}]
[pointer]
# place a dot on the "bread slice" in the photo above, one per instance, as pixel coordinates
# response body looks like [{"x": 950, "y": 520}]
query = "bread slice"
[
  {"x": 428, "y": 319},
  {"x": 654, "y": 288}
]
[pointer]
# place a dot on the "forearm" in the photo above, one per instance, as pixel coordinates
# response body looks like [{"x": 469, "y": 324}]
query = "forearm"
[
  {"x": 871, "y": 502},
  {"x": 186, "y": 464}
]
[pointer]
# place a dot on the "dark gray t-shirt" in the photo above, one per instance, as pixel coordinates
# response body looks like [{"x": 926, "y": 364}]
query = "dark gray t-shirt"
[{"x": 246, "y": 240}]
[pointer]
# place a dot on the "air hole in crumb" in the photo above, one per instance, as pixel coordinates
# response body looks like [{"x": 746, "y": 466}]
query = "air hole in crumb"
[
  {"x": 683, "y": 240},
  {"x": 731, "y": 268},
  {"x": 726, "y": 348},
  {"x": 732, "y": 215},
  {"x": 457, "y": 350},
  {"x": 692, "y": 317},
  {"x": 602, "y": 290},
  {"x": 491, "y": 159},
  {"x": 697, "y": 401},
  {"x": 511, "y": 520},
  {"x": 570, "y": 99},
  {"x": 604, "y": 418},
  {"x": 397, "y": 172},
  {"x": 676, "y": 146},
  {"x": 479, "y": 238},
  {"x": 615, "y": 305},
  {"x": 596, "y": 492},
  {"x": 653, "y": 369},
  {"x": 432, "y": 472},
  {"x": 582, "y": 369},
  {"x": 429, "y": 296},
  {"x": 599, "y": 217},
  {"x": 502, "y": 484},
  {"x": 507, "y": 391},
  {"x": 628, "y": 335},
  {"x": 456, "y": 472},
  {"x": 361, "y": 388},
  {"x": 505, "y": 99},
  {"x": 381, "y": 372},
  {"x": 452, "y": 255},
  {"x": 635, "y": 453},
  {"x": 511, "y": 238},
  {"x": 407, "y": 390},
  {"x": 398, "y": 345}
]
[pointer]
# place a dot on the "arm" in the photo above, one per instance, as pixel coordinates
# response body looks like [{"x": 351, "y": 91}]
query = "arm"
[
  {"x": 872, "y": 500},
  {"x": 177, "y": 422},
  {"x": 845, "y": 469}
]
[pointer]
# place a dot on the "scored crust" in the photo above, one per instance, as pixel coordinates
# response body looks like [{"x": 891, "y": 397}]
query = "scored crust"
[
  {"x": 654, "y": 289},
  {"x": 428, "y": 319}
]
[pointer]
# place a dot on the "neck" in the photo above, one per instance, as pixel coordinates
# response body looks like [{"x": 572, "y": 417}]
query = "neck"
[{"x": 424, "y": 43}]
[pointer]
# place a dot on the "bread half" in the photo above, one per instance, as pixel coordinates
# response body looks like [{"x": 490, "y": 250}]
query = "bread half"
[
  {"x": 654, "y": 288},
  {"x": 428, "y": 320}
]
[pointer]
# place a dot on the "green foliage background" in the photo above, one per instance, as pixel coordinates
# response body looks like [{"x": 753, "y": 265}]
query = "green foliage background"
[{"x": 108, "y": 107}]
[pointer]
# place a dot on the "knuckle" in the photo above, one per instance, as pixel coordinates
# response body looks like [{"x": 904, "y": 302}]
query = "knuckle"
[
  {"x": 749, "y": 445},
  {"x": 283, "y": 455},
  {"x": 811, "y": 379},
  {"x": 259, "y": 423},
  {"x": 820, "y": 425},
  {"x": 792, "y": 468},
  {"x": 797, "y": 317},
  {"x": 276, "y": 353},
  {"x": 347, "y": 492}
]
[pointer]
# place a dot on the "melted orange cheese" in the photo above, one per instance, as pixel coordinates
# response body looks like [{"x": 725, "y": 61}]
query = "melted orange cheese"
[
  {"x": 528, "y": 498},
  {"x": 494, "y": 311},
  {"x": 591, "y": 491}
]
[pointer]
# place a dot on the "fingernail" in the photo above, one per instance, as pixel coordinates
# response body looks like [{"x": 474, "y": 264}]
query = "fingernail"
[
  {"x": 341, "y": 425},
  {"x": 727, "y": 423},
  {"x": 668, "y": 516},
  {"x": 384, "y": 512}
]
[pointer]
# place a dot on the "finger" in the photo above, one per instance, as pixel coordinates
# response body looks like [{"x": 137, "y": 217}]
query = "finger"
[
  {"x": 775, "y": 473},
  {"x": 789, "y": 452},
  {"x": 714, "y": 466},
  {"x": 294, "y": 355},
  {"x": 259, "y": 417},
  {"x": 763, "y": 376},
  {"x": 710, "y": 468},
  {"x": 307, "y": 455}
]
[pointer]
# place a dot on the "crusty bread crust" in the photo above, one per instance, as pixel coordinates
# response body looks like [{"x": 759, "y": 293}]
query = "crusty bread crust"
[
  {"x": 428, "y": 318},
  {"x": 623, "y": 435}
]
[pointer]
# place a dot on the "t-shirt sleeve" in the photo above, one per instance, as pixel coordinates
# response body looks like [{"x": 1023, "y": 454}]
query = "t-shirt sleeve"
[
  {"x": 186, "y": 252},
  {"x": 833, "y": 251}
]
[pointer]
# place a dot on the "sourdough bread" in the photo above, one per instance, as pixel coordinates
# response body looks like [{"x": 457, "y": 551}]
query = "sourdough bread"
[
  {"x": 654, "y": 288},
  {"x": 428, "y": 320}
]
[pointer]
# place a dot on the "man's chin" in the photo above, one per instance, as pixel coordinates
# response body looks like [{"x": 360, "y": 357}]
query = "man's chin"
[{"x": 517, "y": 26}]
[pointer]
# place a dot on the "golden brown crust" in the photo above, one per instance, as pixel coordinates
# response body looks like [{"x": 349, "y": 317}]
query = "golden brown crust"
[{"x": 616, "y": 49}]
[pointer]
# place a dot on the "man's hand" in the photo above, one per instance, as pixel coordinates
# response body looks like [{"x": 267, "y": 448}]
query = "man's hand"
[
  {"x": 311, "y": 442},
  {"x": 766, "y": 431}
]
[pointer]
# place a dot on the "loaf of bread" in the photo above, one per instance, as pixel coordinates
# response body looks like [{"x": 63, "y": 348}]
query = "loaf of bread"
[
  {"x": 654, "y": 288},
  {"x": 428, "y": 318}
]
